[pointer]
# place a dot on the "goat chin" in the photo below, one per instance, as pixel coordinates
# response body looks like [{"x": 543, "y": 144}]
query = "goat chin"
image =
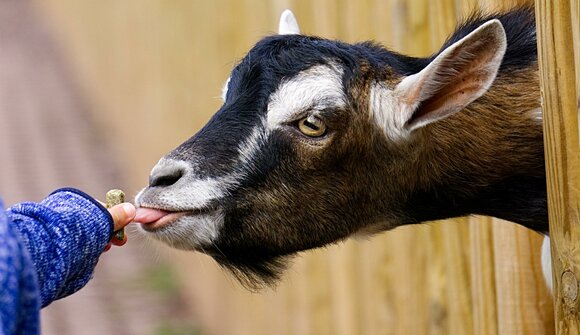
[{"x": 547, "y": 263}]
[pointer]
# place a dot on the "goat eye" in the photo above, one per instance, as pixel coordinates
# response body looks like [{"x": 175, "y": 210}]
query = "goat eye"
[{"x": 312, "y": 126}]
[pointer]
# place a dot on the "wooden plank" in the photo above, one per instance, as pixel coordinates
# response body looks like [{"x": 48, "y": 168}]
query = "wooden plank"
[
  {"x": 459, "y": 297},
  {"x": 575, "y": 11},
  {"x": 483, "y": 277},
  {"x": 560, "y": 108},
  {"x": 523, "y": 305}
]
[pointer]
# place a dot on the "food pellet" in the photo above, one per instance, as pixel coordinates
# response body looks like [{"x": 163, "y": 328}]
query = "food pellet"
[{"x": 115, "y": 197}]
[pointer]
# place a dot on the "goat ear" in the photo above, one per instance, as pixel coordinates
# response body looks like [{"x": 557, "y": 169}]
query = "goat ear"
[
  {"x": 463, "y": 72},
  {"x": 288, "y": 24}
]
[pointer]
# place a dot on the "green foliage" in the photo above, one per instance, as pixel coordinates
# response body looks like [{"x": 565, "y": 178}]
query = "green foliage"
[{"x": 161, "y": 278}]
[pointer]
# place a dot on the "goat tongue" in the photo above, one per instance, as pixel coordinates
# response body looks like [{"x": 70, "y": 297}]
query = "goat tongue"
[{"x": 148, "y": 215}]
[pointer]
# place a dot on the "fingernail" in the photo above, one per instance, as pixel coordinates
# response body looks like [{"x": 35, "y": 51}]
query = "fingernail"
[{"x": 129, "y": 210}]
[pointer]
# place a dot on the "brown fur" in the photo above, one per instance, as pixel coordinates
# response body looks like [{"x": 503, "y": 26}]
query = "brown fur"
[{"x": 303, "y": 193}]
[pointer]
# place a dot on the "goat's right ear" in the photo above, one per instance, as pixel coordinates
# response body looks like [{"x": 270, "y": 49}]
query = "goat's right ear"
[
  {"x": 461, "y": 73},
  {"x": 288, "y": 24}
]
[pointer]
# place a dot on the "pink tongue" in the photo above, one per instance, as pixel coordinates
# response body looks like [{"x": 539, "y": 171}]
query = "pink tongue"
[{"x": 148, "y": 215}]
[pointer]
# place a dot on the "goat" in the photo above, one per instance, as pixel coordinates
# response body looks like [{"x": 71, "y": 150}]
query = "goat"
[{"x": 319, "y": 140}]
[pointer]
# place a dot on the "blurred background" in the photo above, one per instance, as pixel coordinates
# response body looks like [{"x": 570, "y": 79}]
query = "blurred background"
[{"x": 93, "y": 93}]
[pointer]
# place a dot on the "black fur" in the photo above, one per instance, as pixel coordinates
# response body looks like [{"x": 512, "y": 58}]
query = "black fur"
[
  {"x": 280, "y": 57},
  {"x": 520, "y": 28}
]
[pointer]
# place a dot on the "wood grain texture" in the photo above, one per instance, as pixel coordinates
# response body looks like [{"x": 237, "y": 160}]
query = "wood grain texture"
[
  {"x": 558, "y": 57},
  {"x": 159, "y": 66}
]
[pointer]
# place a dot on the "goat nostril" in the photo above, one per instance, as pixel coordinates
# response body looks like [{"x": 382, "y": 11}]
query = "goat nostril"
[{"x": 166, "y": 179}]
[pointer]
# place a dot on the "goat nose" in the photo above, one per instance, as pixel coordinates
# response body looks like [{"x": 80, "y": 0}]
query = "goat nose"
[{"x": 166, "y": 176}]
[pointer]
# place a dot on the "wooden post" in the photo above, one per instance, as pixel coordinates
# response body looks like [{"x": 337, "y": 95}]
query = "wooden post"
[{"x": 555, "y": 30}]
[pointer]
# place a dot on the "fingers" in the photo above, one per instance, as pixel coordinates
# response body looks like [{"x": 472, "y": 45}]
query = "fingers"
[
  {"x": 122, "y": 214},
  {"x": 116, "y": 242},
  {"x": 119, "y": 243}
]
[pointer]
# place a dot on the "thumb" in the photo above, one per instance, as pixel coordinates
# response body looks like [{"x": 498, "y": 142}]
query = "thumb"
[{"x": 122, "y": 214}]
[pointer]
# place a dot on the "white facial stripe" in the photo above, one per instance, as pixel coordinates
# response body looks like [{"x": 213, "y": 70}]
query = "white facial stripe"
[
  {"x": 225, "y": 89},
  {"x": 189, "y": 192},
  {"x": 317, "y": 88},
  {"x": 191, "y": 233},
  {"x": 385, "y": 111},
  {"x": 250, "y": 147},
  {"x": 194, "y": 194}
]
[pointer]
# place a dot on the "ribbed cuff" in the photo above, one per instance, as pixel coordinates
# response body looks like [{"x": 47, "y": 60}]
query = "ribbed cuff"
[
  {"x": 92, "y": 200},
  {"x": 65, "y": 235}
]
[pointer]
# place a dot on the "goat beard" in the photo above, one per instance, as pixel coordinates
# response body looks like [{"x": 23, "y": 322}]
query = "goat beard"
[{"x": 257, "y": 272}]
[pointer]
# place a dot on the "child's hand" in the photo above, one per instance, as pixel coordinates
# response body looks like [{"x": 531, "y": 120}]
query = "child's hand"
[{"x": 122, "y": 215}]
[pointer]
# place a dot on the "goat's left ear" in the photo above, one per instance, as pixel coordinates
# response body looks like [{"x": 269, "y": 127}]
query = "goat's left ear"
[
  {"x": 288, "y": 24},
  {"x": 457, "y": 76}
]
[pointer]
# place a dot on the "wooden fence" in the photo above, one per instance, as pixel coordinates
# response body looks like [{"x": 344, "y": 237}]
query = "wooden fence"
[
  {"x": 154, "y": 70},
  {"x": 559, "y": 59}
]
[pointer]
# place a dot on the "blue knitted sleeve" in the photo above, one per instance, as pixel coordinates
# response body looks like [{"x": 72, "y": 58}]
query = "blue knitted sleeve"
[
  {"x": 65, "y": 234},
  {"x": 19, "y": 300}
]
